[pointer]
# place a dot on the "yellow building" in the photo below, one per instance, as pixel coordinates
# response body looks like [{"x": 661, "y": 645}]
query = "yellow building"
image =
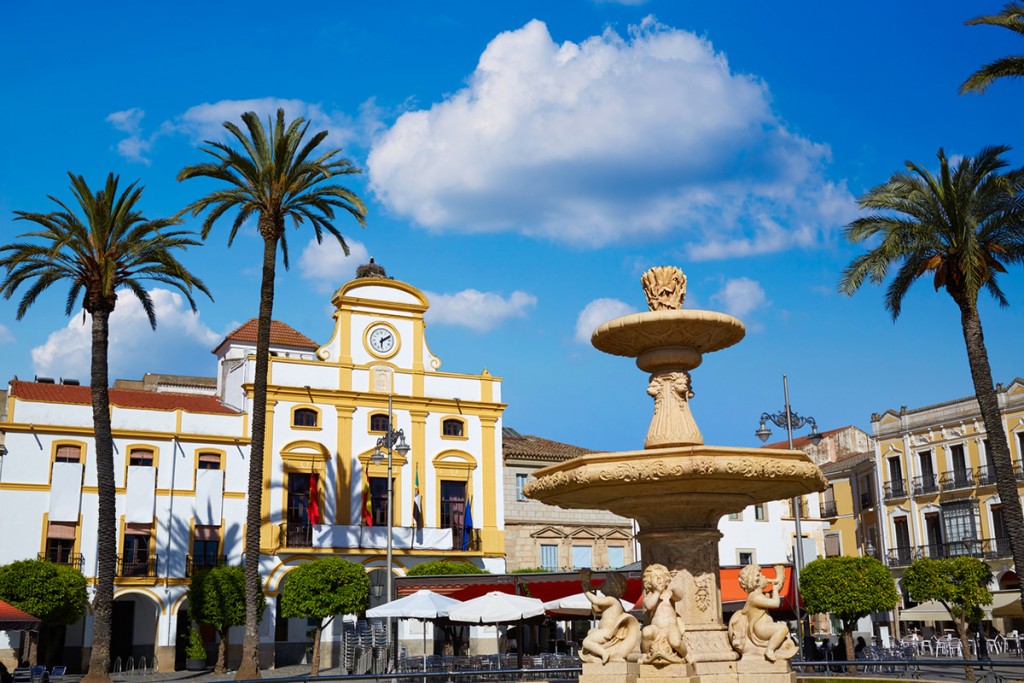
[{"x": 937, "y": 482}]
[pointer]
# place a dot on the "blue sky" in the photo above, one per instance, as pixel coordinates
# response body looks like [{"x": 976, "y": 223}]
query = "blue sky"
[{"x": 525, "y": 163}]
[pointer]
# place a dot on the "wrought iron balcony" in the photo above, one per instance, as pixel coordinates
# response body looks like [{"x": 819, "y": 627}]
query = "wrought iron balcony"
[
  {"x": 986, "y": 476},
  {"x": 983, "y": 548},
  {"x": 137, "y": 566},
  {"x": 925, "y": 484},
  {"x": 76, "y": 560},
  {"x": 198, "y": 563},
  {"x": 828, "y": 509},
  {"x": 895, "y": 490},
  {"x": 902, "y": 556},
  {"x": 957, "y": 479},
  {"x": 297, "y": 535}
]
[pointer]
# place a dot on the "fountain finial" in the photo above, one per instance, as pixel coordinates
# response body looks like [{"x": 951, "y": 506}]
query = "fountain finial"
[{"x": 665, "y": 288}]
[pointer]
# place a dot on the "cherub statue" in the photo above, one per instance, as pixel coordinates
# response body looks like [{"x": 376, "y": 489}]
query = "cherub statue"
[
  {"x": 752, "y": 625},
  {"x": 616, "y": 635},
  {"x": 662, "y": 639}
]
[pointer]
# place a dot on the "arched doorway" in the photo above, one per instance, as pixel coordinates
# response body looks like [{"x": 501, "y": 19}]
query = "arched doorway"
[
  {"x": 133, "y": 626},
  {"x": 182, "y": 626}
]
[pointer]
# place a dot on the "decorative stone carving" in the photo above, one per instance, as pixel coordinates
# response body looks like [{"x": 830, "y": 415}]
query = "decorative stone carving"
[
  {"x": 752, "y": 631},
  {"x": 673, "y": 423},
  {"x": 662, "y": 638},
  {"x": 617, "y": 634},
  {"x": 664, "y": 287}
]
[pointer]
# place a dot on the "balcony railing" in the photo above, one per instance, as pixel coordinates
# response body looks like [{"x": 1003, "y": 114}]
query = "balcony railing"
[
  {"x": 195, "y": 564},
  {"x": 375, "y": 537},
  {"x": 132, "y": 566},
  {"x": 925, "y": 484},
  {"x": 828, "y": 509},
  {"x": 986, "y": 476},
  {"x": 297, "y": 535},
  {"x": 76, "y": 560},
  {"x": 982, "y": 548},
  {"x": 867, "y": 501},
  {"x": 894, "y": 490},
  {"x": 956, "y": 479}
]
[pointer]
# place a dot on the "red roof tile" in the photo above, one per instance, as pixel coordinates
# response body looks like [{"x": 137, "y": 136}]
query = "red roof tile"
[
  {"x": 123, "y": 398},
  {"x": 280, "y": 334},
  {"x": 515, "y": 444},
  {"x": 800, "y": 441},
  {"x": 13, "y": 619}
]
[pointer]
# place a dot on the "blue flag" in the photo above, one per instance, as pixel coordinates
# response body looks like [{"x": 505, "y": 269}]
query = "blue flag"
[{"x": 467, "y": 524}]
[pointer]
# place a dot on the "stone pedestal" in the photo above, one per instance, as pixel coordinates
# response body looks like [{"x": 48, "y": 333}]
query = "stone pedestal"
[{"x": 612, "y": 672}]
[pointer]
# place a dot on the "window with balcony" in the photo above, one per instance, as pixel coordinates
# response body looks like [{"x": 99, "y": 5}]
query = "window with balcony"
[
  {"x": 894, "y": 487},
  {"x": 453, "y": 509},
  {"x": 925, "y": 483},
  {"x": 959, "y": 528},
  {"x": 60, "y": 543},
  {"x": 205, "y": 548},
  {"x": 961, "y": 475},
  {"x": 135, "y": 558},
  {"x": 298, "y": 530},
  {"x": 901, "y": 534}
]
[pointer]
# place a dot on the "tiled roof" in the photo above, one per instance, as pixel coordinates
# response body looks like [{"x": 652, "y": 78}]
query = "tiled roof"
[
  {"x": 847, "y": 463},
  {"x": 515, "y": 444},
  {"x": 280, "y": 335},
  {"x": 801, "y": 441},
  {"x": 123, "y": 398}
]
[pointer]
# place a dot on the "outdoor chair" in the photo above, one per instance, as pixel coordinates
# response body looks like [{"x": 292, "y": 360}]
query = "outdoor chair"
[
  {"x": 22, "y": 675},
  {"x": 57, "y": 672},
  {"x": 927, "y": 646},
  {"x": 38, "y": 673}
]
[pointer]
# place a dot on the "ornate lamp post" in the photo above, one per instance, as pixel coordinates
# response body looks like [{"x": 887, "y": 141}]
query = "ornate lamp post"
[
  {"x": 790, "y": 420},
  {"x": 393, "y": 440}
]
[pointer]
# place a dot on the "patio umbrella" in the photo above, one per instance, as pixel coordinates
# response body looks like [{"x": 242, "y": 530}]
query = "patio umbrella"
[
  {"x": 578, "y": 605},
  {"x": 498, "y": 608},
  {"x": 424, "y": 605},
  {"x": 13, "y": 619}
]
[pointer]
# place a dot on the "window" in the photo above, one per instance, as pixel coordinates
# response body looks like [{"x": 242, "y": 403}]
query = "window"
[
  {"x": 901, "y": 531},
  {"x": 304, "y": 417},
  {"x": 959, "y": 527},
  {"x": 299, "y": 532},
  {"x": 135, "y": 555},
  {"x": 205, "y": 547},
  {"x": 745, "y": 557},
  {"x": 832, "y": 545},
  {"x": 760, "y": 514},
  {"x": 549, "y": 557},
  {"x": 379, "y": 500},
  {"x": 379, "y": 422},
  {"x": 453, "y": 508},
  {"x": 520, "y": 483},
  {"x": 68, "y": 454},
  {"x": 735, "y": 516},
  {"x": 140, "y": 457},
  {"x": 60, "y": 542},
  {"x": 616, "y": 556},
  {"x": 582, "y": 556},
  {"x": 452, "y": 427},
  {"x": 209, "y": 461}
]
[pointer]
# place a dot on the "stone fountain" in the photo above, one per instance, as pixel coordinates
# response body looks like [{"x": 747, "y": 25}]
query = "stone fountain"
[{"x": 677, "y": 489}]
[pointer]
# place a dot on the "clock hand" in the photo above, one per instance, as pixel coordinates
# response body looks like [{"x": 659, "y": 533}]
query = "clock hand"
[{"x": 385, "y": 338}]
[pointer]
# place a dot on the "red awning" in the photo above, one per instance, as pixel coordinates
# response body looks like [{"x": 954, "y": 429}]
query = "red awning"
[{"x": 13, "y": 619}]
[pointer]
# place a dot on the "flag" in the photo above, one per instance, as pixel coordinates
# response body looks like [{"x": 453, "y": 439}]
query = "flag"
[
  {"x": 314, "y": 506},
  {"x": 467, "y": 524},
  {"x": 417, "y": 504},
  {"x": 367, "y": 502}
]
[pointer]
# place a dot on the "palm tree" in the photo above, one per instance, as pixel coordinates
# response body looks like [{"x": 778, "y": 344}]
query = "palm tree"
[
  {"x": 962, "y": 227},
  {"x": 1012, "y": 17},
  {"x": 275, "y": 178},
  {"x": 111, "y": 247}
]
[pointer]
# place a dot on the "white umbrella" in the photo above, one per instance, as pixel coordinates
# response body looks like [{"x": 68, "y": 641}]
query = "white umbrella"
[
  {"x": 578, "y": 605},
  {"x": 424, "y": 605},
  {"x": 497, "y": 608}
]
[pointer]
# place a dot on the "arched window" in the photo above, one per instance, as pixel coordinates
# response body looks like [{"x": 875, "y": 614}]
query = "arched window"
[
  {"x": 209, "y": 461},
  {"x": 304, "y": 417},
  {"x": 140, "y": 457},
  {"x": 68, "y": 453}
]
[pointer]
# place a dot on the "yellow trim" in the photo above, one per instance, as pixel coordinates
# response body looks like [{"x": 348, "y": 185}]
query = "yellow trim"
[
  {"x": 450, "y": 466},
  {"x": 342, "y": 299},
  {"x": 23, "y": 428},
  {"x": 267, "y": 536},
  {"x": 155, "y": 463},
  {"x": 394, "y": 332},
  {"x": 452, "y": 418},
  {"x": 30, "y": 487},
  {"x": 343, "y": 468},
  {"x": 195, "y": 461},
  {"x": 491, "y": 539},
  {"x": 307, "y": 406},
  {"x": 380, "y": 471}
]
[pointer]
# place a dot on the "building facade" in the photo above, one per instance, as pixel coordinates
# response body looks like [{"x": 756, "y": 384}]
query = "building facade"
[
  {"x": 181, "y": 467},
  {"x": 937, "y": 482}
]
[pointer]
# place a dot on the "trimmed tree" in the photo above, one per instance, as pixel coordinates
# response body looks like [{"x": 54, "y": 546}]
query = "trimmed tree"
[
  {"x": 278, "y": 176},
  {"x": 217, "y": 598},
  {"x": 322, "y": 589},
  {"x": 960, "y": 584},
  {"x": 445, "y": 568},
  {"x": 848, "y": 588},
  {"x": 54, "y": 593}
]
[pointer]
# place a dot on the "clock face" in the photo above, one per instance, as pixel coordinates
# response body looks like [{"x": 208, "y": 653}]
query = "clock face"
[{"x": 382, "y": 340}]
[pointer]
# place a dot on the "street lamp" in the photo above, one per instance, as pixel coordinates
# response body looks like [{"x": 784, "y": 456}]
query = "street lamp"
[
  {"x": 790, "y": 420},
  {"x": 393, "y": 440}
]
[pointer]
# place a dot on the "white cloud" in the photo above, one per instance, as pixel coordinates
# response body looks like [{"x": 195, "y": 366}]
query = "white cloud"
[
  {"x": 326, "y": 264},
  {"x": 134, "y": 347},
  {"x": 5, "y": 335},
  {"x": 741, "y": 296},
  {"x": 598, "y": 312},
  {"x": 609, "y": 140},
  {"x": 206, "y": 122},
  {"x": 479, "y": 311}
]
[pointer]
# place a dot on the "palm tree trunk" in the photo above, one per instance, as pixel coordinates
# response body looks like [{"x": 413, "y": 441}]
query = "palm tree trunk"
[
  {"x": 106, "y": 532},
  {"x": 1006, "y": 481},
  {"x": 249, "y": 667}
]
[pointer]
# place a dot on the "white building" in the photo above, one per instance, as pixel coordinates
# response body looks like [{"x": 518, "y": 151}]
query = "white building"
[{"x": 181, "y": 467}]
